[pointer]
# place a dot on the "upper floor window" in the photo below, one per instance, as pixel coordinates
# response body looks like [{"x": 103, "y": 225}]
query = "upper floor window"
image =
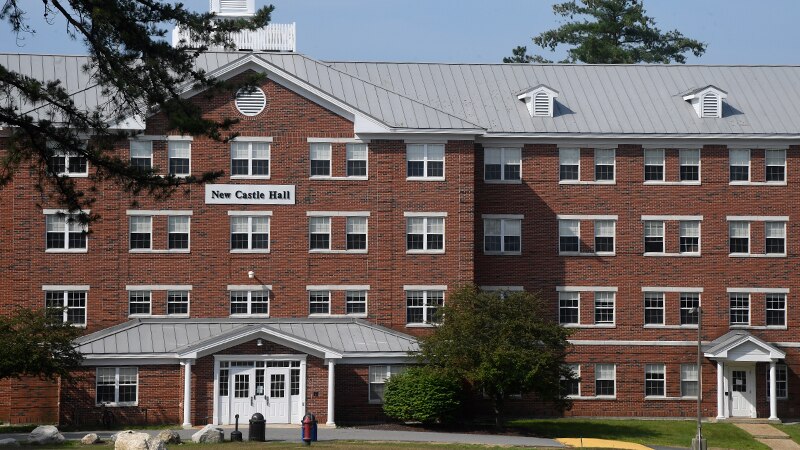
[
  {"x": 604, "y": 307},
  {"x": 250, "y": 233},
  {"x": 569, "y": 236},
  {"x": 776, "y": 165},
  {"x": 502, "y": 164},
  {"x": 653, "y": 308},
  {"x": 689, "y": 236},
  {"x": 569, "y": 164},
  {"x": 739, "y": 165},
  {"x": 776, "y": 310},
  {"x": 68, "y": 306},
  {"x": 139, "y": 303},
  {"x": 604, "y": 162},
  {"x": 425, "y": 161},
  {"x": 690, "y": 302},
  {"x": 501, "y": 235},
  {"x": 319, "y": 233},
  {"x": 356, "y": 233},
  {"x": 424, "y": 233},
  {"x": 423, "y": 305},
  {"x": 180, "y": 154},
  {"x": 250, "y": 159},
  {"x": 739, "y": 308},
  {"x": 654, "y": 236},
  {"x": 117, "y": 386},
  {"x": 141, "y": 232},
  {"x": 569, "y": 308},
  {"x": 775, "y": 233},
  {"x": 356, "y": 160},
  {"x": 355, "y": 302},
  {"x": 178, "y": 303},
  {"x": 251, "y": 302},
  {"x": 142, "y": 154},
  {"x": 689, "y": 164},
  {"x": 178, "y": 232},
  {"x": 319, "y": 302},
  {"x": 65, "y": 232},
  {"x": 69, "y": 165},
  {"x": 739, "y": 232},
  {"x": 320, "y": 155},
  {"x": 654, "y": 165},
  {"x": 604, "y": 233}
]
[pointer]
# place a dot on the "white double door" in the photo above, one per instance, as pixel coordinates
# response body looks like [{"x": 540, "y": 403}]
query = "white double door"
[
  {"x": 260, "y": 390},
  {"x": 741, "y": 390}
]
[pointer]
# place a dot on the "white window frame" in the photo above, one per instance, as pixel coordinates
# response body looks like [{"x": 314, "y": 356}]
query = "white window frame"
[
  {"x": 149, "y": 302},
  {"x": 320, "y": 146},
  {"x": 663, "y": 237},
  {"x": 265, "y": 289},
  {"x": 426, "y": 218},
  {"x": 426, "y": 159},
  {"x": 67, "y": 155},
  {"x": 249, "y": 147},
  {"x": 766, "y": 224},
  {"x": 188, "y": 303},
  {"x": 145, "y": 147},
  {"x": 171, "y": 232},
  {"x": 349, "y": 147},
  {"x": 576, "y": 370},
  {"x": 133, "y": 218},
  {"x": 569, "y": 252},
  {"x": 654, "y": 369},
  {"x": 64, "y": 291},
  {"x": 560, "y": 307},
  {"x": 699, "y": 165},
  {"x": 699, "y": 236},
  {"x": 613, "y": 308},
  {"x": 749, "y": 165},
  {"x": 347, "y": 233},
  {"x": 504, "y": 161},
  {"x": 503, "y": 234},
  {"x": 69, "y": 221},
  {"x": 426, "y": 305},
  {"x": 785, "y": 369},
  {"x": 250, "y": 216},
  {"x": 347, "y": 302},
  {"x": 681, "y": 308},
  {"x": 749, "y": 236},
  {"x": 662, "y": 308},
  {"x": 767, "y": 165},
  {"x": 117, "y": 386},
  {"x": 655, "y": 153},
  {"x": 613, "y": 165},
  {"x": 564, "y": 154},
  {"x": 322, "y": 220},
  {"x": 327, "y": 293},
  {"x": 171, "y": 149},
  {"x": 391, "y": 370},
  {"x": 614, "y": 379},
  {"x": 784, "y": 309},
  {"x": 613, "y": 236},
  {"x": 749, "y": 309},
  {"x": 685, "y": 379}
]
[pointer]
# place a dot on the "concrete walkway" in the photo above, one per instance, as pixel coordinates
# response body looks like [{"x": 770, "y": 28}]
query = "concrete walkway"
[{"x": 770, "y": 436}]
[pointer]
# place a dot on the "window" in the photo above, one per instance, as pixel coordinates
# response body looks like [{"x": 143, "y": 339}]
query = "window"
[
  {"x": 319, "y": 233},
  {"x": 422, "y": 306},
  {"x": 355, "y": 302},
  {"x": 569, "y": 164},
  {"x": 117, "y": 385},
  {"x": 139, "y": 303},
  {"x": 319, "y": 302},
  {"x": 569, "y": 236},
  {"x": 605, "y": 380},
  {"x": 604, "y": 232},
  {"x": 502, "y": 164},
  {"x": 776, "y": 165},
  {"x": 653, "y": 165},
  {"x": 356, "y": 233},
  {"x": 690, "y": 164},
  {"x": 502, "y": 235},
  {"x": 740, "y": 308},
  {"x": 653, "y": 236},
  {"x": 320, "y": 160},
  {"x": 425, "y": 233},
  {"x": 254, "y": 302},
  {"x": 654, "y": 308},
  {"x": 142, "y": 154},
  {"x": 569, "y": 308},
  {"x": 65, "y": 232},
  {"x": 572, "y": 388},
  {"x": 776, "y": 237},
  {"x": 604, "y": 164},
  {"x": 690, "y": 236},
  {"x": 223, "y": 378},
  {"x": 180, "y": 158},
  {"x": 67, "y": 306},
  {"x": 739, "y": 237},
  {"x": 425, "y": 160},
  {"x": 377, "y": 380},
  {"x": 781, "y": 381},
  {"x": 776, "y": 310},
  {"x": 654, "y": 380},
  {"x": 604, "y": 307},
  {"x": 689, "y": 380},
  {"x": 178, "y": 303},
  {"x": 250, "y": 159},
  {"x": 740, "y": 165},
  {"x": 249, "y": 233},
  {"x": 141, "y": 228},
  {"x": 67, "y": 164},
  {"x": 690, "y": 301},
  {"x": 178, "y": 232},
  {"x": 356, "y": 160}
]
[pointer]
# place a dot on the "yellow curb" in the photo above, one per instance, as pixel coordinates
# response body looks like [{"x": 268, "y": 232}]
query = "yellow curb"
[{"x": 600, "y": 443}]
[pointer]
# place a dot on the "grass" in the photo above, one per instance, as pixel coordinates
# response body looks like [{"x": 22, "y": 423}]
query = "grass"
[
  {"x": 17, "y": 428},
  {"x": 676, "y": 433},
  {"x": 792, "y": 430}
]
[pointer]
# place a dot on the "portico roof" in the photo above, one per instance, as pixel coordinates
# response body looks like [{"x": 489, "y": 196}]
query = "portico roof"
[{"x": 740, "y": 345}]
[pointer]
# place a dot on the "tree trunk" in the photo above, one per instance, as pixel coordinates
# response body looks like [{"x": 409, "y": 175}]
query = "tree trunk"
[{"x": 499, "y": 406}]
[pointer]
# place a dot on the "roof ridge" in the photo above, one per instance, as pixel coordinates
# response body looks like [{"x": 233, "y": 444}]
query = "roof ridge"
[{"x": 558, "y": 64}]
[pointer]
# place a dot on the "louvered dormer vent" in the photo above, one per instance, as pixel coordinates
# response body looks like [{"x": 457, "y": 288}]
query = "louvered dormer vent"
[
  {"x": 542, "y": 105},
  {"x": 238, "y": 8},
  {"x": 707, "y": 101},
  {"x": 711, "y": 105},
  {"x": 250, "y": 101},
  {"x": 539, "y": 100}
]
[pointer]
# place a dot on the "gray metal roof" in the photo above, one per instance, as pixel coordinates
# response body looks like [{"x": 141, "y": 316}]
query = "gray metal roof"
[
  {"x": 593, "y": 99},
  {"x": 169, "y": 337}
]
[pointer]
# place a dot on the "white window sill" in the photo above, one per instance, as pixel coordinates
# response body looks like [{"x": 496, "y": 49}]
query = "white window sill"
[
  {"x": 587, "y": 254},
  {"x": 757, "y": 183},
  {"x": 320, "y": 315},
  {"x": 670, "y": 327},
  {"x": 67, "y": 250},
  {"x": 354, "y": 252},
  {"x": 672, "y": 183},
  {"x": 136, "y": 316},
  {"x": 357, "y": 316},
  {"x": 672, "y": 255},
  {"x": 420, "y": 325},
  {"x": 177, "y": 316},
  {"x": 424, "y": 252},
  {"x": 182, "y": 175},
  {"x": 609, "y": 182},
  {"x": 250, "y": 177},
  {"x": 237, "y": 316},
  {"x": 345, "y": 178},
  {"x": 739, "y": 326},
  {"x": 73, "y": 175},
  {"x": 601, "y": 397},
  {"x": 150, "y": 250},
  {"x": 502, "y": 181},
  {"x": 424, "y": 178},
  {"x": 501, "y": 253},
  {"x": 757, "y": 255},
  {"x": 243, "y": 251},
  {"x": 594, "y": 325},
  {"x": 665, "y": 398},
  {"x": 759, "y": 327},
  {"x": 116, "y": 405}
]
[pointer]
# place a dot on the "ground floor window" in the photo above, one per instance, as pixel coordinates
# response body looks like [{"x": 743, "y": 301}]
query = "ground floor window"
[
  {"x": 781, "y": 381},
  {"x": 572, "y": 388},
  {"x": 117, "y": 385},
  {"x": 377, "y": 380},
  {"x": 654, "y": 380},
  {"x": 605, "y": 380},
  {"x": 689, "y": 380}
]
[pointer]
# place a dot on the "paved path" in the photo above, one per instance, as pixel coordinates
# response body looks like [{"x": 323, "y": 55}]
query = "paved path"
[
  {"x": 770, "y": 436},
  {"x": 285, "y": 433}
]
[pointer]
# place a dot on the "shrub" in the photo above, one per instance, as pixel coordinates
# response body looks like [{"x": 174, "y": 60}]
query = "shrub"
[{"x": 422, "y": 394}]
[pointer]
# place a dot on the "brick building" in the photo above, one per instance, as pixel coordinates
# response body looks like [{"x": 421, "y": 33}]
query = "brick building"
[{"x": 357, "y": 195}]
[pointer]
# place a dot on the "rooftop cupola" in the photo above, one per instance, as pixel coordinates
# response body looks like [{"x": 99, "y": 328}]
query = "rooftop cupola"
[{"x": 275, "y": 37}]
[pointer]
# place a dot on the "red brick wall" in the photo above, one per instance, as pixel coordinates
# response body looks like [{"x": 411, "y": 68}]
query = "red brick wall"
[{"x": 28, "y": 400}]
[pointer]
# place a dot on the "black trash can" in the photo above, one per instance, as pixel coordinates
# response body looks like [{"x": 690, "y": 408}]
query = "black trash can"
[{"x": 257, "y": 430}]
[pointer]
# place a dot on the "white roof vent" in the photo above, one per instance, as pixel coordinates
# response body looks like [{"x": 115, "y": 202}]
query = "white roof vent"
[
  {"x": 707, "y": 101},
  {"x": 250, "y": 101},
  {"x": 235, "y": 8},
  {"x": 539, "y": 100}
]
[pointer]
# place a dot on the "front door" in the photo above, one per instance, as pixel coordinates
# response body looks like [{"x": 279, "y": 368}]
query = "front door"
[
  {"x": 278, "y": 409},
  {"x": 243, "y": 390},
  {"x": 742, "y": 391}
]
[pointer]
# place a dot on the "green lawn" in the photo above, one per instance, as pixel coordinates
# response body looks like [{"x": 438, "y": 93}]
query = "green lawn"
[
  {"x": 791, "y": 430},
  {"x": 676, "y": 433}
]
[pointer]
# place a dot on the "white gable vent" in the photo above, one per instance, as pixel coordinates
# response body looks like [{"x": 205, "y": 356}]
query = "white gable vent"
[
  {"x": 539, "y": 100},
  {"x": 233, "y": 7},
  {"x": 707, "y": 101},
  {"x": 250, "y": 101}
]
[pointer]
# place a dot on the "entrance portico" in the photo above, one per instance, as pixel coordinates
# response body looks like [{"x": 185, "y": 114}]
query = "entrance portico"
[{"x": 736, "y": 354}]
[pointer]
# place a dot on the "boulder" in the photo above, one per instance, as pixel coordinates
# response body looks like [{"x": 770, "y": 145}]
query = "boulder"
[
  {"x": 90, "y": 439},
  {"x": 168, "y": 437},
  {"x": 131, "y": 440},
  {"x": 9, "y": 443},
  {"x": 209, "y": 433},
  {"x": 45, "y": 434}
]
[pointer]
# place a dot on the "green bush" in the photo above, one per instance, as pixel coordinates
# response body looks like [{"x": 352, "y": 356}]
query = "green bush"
[{"x": 422, "y": 394}]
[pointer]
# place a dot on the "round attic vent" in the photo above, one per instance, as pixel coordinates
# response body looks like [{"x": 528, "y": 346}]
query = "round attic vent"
[{"x": 250, "y": 101}]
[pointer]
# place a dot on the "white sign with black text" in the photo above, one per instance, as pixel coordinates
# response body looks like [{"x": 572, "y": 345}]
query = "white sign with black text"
[{"x": 250, "y": 194}]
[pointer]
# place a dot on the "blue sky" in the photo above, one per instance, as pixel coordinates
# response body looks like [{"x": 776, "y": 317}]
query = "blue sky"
[{"x": 737, "y": 31}]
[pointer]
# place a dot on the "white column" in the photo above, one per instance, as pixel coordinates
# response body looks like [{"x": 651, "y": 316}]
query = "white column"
[
  {"x": 773, "y": 399},
  {"x": 187, "y": 393},
  {"x": 720, "y": 391},
  {"x": 331, "y": 389}
]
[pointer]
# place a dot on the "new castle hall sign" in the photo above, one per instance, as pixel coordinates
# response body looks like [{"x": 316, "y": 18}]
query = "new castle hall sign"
[{"x": 250, "y": 194}]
